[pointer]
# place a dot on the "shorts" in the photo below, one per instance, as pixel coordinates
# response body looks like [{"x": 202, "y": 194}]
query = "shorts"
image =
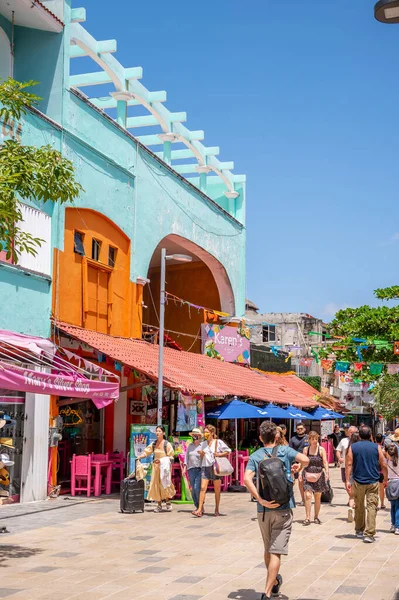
[
  {"x": 343, "y": 474},
  {"x": 208, "y": 473},
  {"x": 276, "y": 527}
]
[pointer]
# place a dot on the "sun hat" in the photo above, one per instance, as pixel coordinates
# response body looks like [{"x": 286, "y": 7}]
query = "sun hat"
[
  {"x": 196, "y": 431},
  {"x": 395, "y": 435},
  {"x": 4, "y": 458}
]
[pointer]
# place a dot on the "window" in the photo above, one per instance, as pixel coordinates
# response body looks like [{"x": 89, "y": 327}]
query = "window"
[
  {"x": 78, "y": 246},
  {"x": 268, "y": 333},
  {"x": 111, "y": 256},
  {"x": 38, "y": 224},
  {"x": 95, "y": 249}
]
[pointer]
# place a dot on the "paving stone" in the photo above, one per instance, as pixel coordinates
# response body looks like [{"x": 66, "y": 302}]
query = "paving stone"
[
  {"x": 152, "y": 559},
  {"x": 189, "y": 579},
  {"x": 153, "y": 570},
  {"x": 213, "y": 535},
  {"x": 149, "y": 552},
  {"x": 95, "y": 532},
  {"x": 339, "y": 548},
  {"x": 350, "y": 590},
  {"x": 65, "y": 554},
  {"x": 4, "y": 592},
  {"x": 142, "y": 537}
]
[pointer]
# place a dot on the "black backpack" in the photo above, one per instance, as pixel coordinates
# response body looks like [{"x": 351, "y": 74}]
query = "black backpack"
[{"x": 272, "y": 478}]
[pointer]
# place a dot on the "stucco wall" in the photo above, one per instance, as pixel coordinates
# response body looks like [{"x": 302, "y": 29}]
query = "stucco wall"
[{"x": 156, "y": 202}]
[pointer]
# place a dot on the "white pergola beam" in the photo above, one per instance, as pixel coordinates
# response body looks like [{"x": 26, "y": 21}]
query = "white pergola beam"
[
  {"x": 100, "y": 77},
  {"x": 154, "y": 140},
  {"x": 150, "y": 120},
  {"x": 108, "y": 102},
  {"x": 185, "y": 169},
  {"x": 78, "y": 15},
  {"x": 101, "y": 48}
]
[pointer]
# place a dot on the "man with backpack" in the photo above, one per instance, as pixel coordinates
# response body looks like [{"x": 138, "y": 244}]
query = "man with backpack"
[{"x": 272, "y": 466}]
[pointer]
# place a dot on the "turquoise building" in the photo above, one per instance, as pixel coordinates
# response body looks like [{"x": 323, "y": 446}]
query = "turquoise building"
[{"x": 149, "y": 182}]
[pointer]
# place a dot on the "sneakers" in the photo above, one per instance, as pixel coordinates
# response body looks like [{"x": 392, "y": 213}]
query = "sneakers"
[
  {"x": 359, "y": 534},
  {"x": 168, "y": 507},
  {"x": 350, "y": 515},
  {"x": 392, "y": 529},
  {"x": 158, "y": 509},
  {"x": 368, "y": 540},
  {"x": 276, "y": 588},
  {"x": 397, "y": 531}
]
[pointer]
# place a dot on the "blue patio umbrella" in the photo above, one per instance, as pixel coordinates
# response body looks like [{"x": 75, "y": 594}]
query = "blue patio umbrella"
[
  {"x": 336, "y": 415},
  {"x": 271, "y": 411},
  {"x": 236, "y": 409},
  {"x": 323, "y": 414},
  {"x": 296, "y": 413}
]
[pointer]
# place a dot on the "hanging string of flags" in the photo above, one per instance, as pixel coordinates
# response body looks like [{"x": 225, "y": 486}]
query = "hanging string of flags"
[{"x": 207, "y": 311}]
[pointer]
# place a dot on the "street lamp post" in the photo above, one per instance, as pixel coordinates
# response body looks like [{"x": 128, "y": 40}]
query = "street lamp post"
[
  {"x": 387, "y": 11},
  {"x": 164, "y": 258}
]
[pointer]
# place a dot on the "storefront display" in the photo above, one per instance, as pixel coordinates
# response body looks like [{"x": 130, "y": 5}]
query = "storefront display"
[
  {"x": 180, "y": 444},
  {"x": 140, "y": 437},
  {"x": 190, "y": 412},
  {"x": 12, "y": 419}
]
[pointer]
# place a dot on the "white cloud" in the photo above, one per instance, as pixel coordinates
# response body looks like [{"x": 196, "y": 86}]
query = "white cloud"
[{"x": 329, "y": 310}]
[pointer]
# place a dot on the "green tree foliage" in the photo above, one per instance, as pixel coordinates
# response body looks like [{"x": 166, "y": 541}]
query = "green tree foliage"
[
  {"x": 386, "y": 393},
  {"x": 314, "y": 381},
  {"x": 27, "y": 173},
  {"x": 375, "y": 325}
]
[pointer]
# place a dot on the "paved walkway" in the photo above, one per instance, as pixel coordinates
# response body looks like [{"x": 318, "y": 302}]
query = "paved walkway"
[{"x": 89, "y": 551}]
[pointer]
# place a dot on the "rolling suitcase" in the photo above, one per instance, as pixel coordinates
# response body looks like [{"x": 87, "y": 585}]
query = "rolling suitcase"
[{"x": 132, "y": 495}]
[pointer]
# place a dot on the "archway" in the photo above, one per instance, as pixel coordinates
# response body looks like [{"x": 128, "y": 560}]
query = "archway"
[{"x": 203, "y": 282}]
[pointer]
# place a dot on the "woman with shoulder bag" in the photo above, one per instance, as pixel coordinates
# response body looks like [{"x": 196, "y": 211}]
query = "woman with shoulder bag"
[
  {"x": 392, "y": 492},
  {"x": 315, "y": 477},
  {"x": 211, "y": 449},
  {"x": 161, "y": 488}
]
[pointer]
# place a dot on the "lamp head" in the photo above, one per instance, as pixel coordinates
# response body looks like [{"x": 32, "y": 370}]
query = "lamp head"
[
  {"x": 387, "y": 11},
  {"x": 179, "y": 257}
]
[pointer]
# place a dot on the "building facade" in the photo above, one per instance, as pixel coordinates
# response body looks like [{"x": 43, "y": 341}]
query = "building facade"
[
  {"x": 99, "y": 264},
  {"x": 291, "y": 333}
]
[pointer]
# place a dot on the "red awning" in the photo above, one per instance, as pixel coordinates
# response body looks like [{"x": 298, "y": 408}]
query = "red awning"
[{"x": 186, "y": 371}]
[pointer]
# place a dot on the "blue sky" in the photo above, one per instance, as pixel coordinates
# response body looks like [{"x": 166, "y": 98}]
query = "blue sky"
[{"x": 303, "y": 96}]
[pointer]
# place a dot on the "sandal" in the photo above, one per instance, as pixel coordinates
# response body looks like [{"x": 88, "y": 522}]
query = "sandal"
[
  {"x": 217, "y": 514},
  {"x": 317, "y": 521},
  {"x": 306, "y": 522},
  {"x": 197, "y": 514}
]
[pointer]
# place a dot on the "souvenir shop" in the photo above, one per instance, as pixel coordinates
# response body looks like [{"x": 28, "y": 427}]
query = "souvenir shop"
[{"x": 35, "y": 374}]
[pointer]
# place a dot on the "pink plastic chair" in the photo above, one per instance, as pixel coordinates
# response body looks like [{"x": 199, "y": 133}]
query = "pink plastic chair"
[
  {"x": 99, "y": 456},
  {"x": 81, "y": 473},
  {"x": 118, "y": 463}
]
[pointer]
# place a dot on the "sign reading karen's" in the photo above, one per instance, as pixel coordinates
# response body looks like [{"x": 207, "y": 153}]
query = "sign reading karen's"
[{"x": 230, "y": 344}]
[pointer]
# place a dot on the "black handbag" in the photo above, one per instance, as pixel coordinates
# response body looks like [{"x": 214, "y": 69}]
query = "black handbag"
[{"x": 328, "y": 495}]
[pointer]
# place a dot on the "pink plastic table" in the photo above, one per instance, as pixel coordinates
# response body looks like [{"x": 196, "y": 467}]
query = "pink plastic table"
[
  {"x": 242, "y": 463},
  {"x": 98, "y": 465}
]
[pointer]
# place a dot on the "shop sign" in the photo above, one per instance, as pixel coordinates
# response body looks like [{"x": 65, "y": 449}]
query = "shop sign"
[
  {"x": 58, "y": 384},
  {"x": 326, "y": 428},
  {"x": 138, "y": 408},
  {"x": 230, "y": 344}
]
